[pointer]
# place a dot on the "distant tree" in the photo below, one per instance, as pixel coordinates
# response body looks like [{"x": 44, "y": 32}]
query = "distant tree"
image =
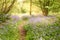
[
  {"x": 30, "y": 7},
  {"x": 5, "y": 7},
  {"x": 47, "y": 5}
]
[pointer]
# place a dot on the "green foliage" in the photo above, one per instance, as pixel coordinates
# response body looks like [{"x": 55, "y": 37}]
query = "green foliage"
[
  {"x": 52, "y": 5},
  {"x": 5, "y": 7},
  {"x": 9, "y": 31},
  {"x": 56, "y": 6},
  {"x": 23, "y": 10},
  {"x": 39, "y": 31},
  {"x": 4, "y": 17}
]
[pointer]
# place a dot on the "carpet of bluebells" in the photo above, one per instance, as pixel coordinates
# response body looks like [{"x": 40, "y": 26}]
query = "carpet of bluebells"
[
  {"x": 40, "y": 31},
  {"x": 36, "y": 29}
]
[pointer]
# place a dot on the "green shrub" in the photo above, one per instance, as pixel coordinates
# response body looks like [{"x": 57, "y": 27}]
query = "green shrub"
[{"x": 4, "y": 17}]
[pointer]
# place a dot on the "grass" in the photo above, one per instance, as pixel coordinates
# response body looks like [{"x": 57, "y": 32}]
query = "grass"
[{"x": 9, "y": 31}]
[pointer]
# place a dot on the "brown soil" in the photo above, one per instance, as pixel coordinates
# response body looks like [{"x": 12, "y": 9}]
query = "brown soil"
[{"x": 22, "y": 32}]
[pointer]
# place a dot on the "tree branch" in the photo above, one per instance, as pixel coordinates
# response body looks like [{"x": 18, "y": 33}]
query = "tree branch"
[{"x": 9, "y": 8}]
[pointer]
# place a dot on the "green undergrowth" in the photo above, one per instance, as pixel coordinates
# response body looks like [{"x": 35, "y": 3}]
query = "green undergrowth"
[
  {"x": 39, "y": 31},
  {"x": 9, "y": 31}
]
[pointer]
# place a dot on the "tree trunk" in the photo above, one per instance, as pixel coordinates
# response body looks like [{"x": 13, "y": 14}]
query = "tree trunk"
[
  {"x": 10, "y": 7},
  {"x": 30, "y": 7},
  {"x": 45, "y": 11}
]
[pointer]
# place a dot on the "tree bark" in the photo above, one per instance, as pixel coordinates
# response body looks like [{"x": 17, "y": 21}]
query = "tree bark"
[
  {"x": 30, "y": 7},
  {"x": 45, "y": 11}
]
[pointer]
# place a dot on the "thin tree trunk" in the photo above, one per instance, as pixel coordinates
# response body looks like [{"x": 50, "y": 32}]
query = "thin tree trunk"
[
  {"x": 3, "y": 4},
  {"x": 30, "y": 7}
]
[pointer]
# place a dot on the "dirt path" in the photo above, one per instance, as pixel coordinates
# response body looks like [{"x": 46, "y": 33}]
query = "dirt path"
[{"x": 22, "y": 32}]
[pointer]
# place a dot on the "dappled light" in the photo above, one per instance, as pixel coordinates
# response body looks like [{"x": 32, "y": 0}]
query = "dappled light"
[{"x": 29, "y": 20}]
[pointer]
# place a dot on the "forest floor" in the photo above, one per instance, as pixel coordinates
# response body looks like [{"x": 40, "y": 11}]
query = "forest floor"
[{"x": 34, "y": 19}]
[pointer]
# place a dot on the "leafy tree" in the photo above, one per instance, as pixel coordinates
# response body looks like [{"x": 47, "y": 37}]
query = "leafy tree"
[
  {"x": 5, "y": 7},
  {"x": 47, "y": 5}
]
